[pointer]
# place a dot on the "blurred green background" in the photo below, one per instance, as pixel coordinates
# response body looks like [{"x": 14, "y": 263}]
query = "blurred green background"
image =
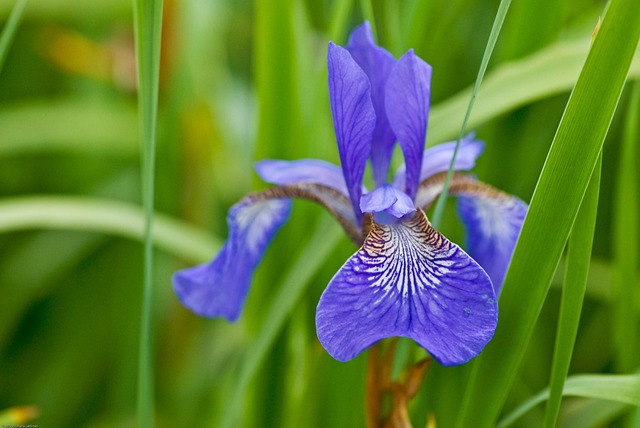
[{"x": 240, "y": 81}]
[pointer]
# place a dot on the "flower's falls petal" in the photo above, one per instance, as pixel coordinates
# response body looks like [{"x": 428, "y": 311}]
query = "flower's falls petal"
[
  {"x": 408, "y": 280},
  {"x": 219, "y": 288},
  {"x": 337, "y": 203},
  {"x": 387, "y": 199},
  {"x": 493, "y": 221},
  {"x": 377, "y": 63},
  {"x": 436, "y": 159},
  {"x": 407, "y": 105},
  {"x": 302, "y": 171},
  {"x": 353, "y": 117}
]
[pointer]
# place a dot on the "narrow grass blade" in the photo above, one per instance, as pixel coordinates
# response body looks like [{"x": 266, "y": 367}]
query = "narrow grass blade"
[
  {"x": 296, "y": 279},
  {"x": 548, "y": 72},
  {"x": 10, "y": 29},
  {"x": 106, "y": 216},
  {"x": 575, "y": 284},
  {"x": 493, "y": 38},
  {"x": 618, "y": 388},
  {"x": 552, "y": 211},
  {"x": 148, "y": 31},
  {"x": 625, "y": 242}
]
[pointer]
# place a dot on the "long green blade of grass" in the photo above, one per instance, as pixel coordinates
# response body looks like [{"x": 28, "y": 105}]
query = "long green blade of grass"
[
  {"x": 559, "y": 192},
  {"x": 618, "y": 388},
  {"x": 625, "y": 242},
  {"x": 548, "y": 72},
  {"x": 575, "y": 284},
  {"x": 627, "y": 248},
  {"x": 296, "y": 279},
  {"x": 106, "y": 216},
  {"x": 493, "y": 38},
  {"x": 10, "y": 29},
  {"x": 148, "y": 30}
]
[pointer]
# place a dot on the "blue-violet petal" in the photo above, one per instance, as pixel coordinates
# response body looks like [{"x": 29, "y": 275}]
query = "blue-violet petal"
[
  {"x": 408, "y": 280},
  {"x": 377, "y": 63},
  {"x": 219, "y": 288},
  {"x": 407, "y": 105},
  {"x": 353, "y": 118},
  {"x": 493, "y": 224},
  {"x": 437, "y": 159},
  {"x": 302, "y": 171}
]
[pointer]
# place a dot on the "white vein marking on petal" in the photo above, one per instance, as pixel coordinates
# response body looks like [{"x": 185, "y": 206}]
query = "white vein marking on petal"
[{"x": 406, "y": 258}]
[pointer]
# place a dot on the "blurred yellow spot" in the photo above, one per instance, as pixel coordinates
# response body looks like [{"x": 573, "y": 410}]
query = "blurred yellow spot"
[
  {"x": 112, "y": 61},
  {"x": 18, "y": 415}
]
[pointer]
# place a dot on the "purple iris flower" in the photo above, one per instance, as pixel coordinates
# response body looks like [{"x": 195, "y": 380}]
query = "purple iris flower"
[{"x": 406, "y": 279}]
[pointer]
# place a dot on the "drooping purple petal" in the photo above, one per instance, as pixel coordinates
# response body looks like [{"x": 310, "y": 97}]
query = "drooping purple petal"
[
  {"x": 437, "y": 159},
  {"x": 377, "y": 64},
  {"x": 408, "y": 280},
  {"x": 302, "y": 171},
  {"x": 407, "y": 105},
  {"x": 219, "y": 288},
  {"x": 493, "y": 222},
  {"x": 353, "y": 117},
  {"x": 387, "y": 199}
]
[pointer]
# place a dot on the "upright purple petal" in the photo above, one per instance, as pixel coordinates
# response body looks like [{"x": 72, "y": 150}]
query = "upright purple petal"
[
  {"x": 493, "y": 222},
  {"x": 437, "y": 159},
  {"x": 219, "y": 288},
  {"x": 407, "y": 105},
  {"x": 377, "y": 64},
  {"x": 408, "y": 280},
  {"x": 353, "y": 118},
  {"x": 302, "y": 171}
]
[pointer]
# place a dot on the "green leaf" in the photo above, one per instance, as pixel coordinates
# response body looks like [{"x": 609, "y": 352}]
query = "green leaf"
[
  {"x": 501, "y": 14},
  {"x": 148, "y": 32},
  {"x": 546, "y": 73},
  {"x": 618, "y": 388},
  {"x": 575, "y": 284},
  {"x": 105, "y": 216},
  {"x": 10, "y": 29},
  {"x": 552, "y": 211},
  {"x": 625, "y": 243}
]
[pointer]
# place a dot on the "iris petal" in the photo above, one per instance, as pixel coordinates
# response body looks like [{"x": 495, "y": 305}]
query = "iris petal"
[
  {"x": 407, "y": 106},
  {"x": 302, "y": 171},
  {"x": 377, "y": 63},
  {"x": 219, "y": 288},
  {"x": 493, "y": 221},
  {"x": 353, "y": 118},
  {"x": 408, "y": 280},
  {"x": 437, "y": 159}
]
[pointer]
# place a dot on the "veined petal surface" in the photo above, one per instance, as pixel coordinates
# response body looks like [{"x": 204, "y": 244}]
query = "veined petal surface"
[
  {"x": 407, "y": 105},
  {"x": 302, "y": 171},
  {"x": 408, "y": 280},
  {"x": 353, "y": 117},
  {"x": 493, "y": 222},
  {"x": 377, "y": 63},
  {"x": 219, "y": 288},
  {"x": 437, "y": 159}
]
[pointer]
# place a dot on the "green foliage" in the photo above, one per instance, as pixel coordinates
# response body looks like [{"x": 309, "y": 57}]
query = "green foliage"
[{"x": 233, "y": 82}]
